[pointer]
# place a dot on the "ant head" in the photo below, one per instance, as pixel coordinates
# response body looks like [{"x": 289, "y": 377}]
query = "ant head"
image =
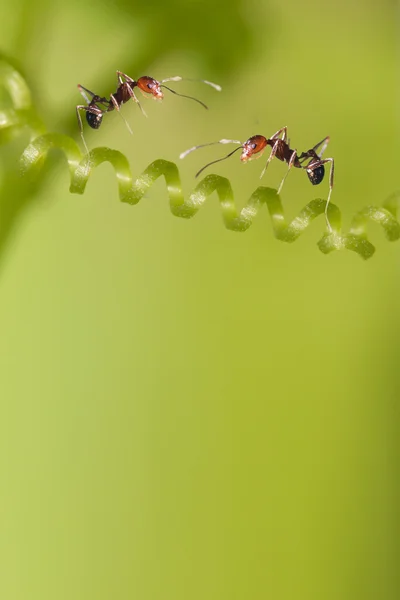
[
  {"x": 94, "y": 119},
  {"x": 254, "y": 145},
  {"x": 148, "y": 85}
]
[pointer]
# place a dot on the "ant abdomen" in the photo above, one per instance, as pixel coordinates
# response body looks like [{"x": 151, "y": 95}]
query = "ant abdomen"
[
  {"x": 316, "y": 175},
  {"x": 93, "y": 120}
]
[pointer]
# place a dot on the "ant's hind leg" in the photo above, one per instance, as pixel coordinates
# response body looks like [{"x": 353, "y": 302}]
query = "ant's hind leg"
[
  {"x": 324, "y": 144},
  {"x": 92, "y": 98},
  {"x": 312, "y": 153},
  {"x": 87, "y": 94}
]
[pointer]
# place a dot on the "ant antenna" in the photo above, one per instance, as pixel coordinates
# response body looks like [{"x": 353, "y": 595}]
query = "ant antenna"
[
  {"x": 184, "y": 154},
  {"x": 185, "y": 96},
  {"x": 218, "y": 160},
  {"x": 177, "y": 78}
]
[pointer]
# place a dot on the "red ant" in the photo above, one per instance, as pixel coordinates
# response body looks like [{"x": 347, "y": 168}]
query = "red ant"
[
  {"x": 255, "y": 146},
  {"x": 97, "y": 107}
]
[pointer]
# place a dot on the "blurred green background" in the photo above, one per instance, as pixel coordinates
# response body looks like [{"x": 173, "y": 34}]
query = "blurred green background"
[{"x": 189, "y": 413}]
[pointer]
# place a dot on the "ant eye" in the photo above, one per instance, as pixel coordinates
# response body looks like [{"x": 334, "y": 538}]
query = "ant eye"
[
  {"x": 150, "y": 85},
  {"x": 253, "y": 146}
]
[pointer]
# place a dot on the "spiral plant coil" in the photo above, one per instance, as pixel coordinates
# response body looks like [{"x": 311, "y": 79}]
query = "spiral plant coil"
[{"x": 23, "y": 116}]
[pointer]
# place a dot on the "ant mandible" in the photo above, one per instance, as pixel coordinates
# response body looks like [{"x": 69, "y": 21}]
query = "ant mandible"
[
  {"x": 98, "y": 106},
  {"x": 255, "y": 146}
]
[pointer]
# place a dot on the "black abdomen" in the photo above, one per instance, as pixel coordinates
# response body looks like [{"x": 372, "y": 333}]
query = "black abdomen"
[
  {"x": 316, "y": 175},
  {"x": 93, "y": 119}
]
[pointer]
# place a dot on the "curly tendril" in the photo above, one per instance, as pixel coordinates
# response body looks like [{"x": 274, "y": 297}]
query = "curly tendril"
[{"x": 22, "y": 115}]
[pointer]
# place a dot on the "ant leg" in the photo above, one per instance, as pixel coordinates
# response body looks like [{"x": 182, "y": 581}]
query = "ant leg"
[
  {"x": 331, "y": 175},
  {"x": 277, "y": 134},
  {"x": 324, "y": 144},
  {"x": 92, "y": 98},
  {"x": 87, "y": 94},
  {"x": 312, "y": 152},
  {"x": 78, "y": 115},
  {"x": 114, "y": 102},
  {"x": 271, "y": 156},
  {"x": 291, "y": 163},
  {"x": 121, "y": 75},
  {"x": 116, "y": 106},
  {"x": 135, "y": 99}
]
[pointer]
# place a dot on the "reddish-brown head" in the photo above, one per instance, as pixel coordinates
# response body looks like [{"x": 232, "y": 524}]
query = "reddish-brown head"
[
  {"x": 254, "y": 145},
  {"x": 148, "y": 85}
]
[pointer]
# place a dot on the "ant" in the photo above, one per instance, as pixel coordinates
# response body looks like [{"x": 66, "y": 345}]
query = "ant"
[
  {"x": 98, "y": 106},
  {"x": 255, "y": 146}
]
